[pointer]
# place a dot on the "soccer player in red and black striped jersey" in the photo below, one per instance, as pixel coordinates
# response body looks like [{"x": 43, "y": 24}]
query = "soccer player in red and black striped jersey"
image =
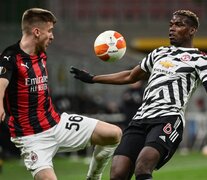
[{"x": 35, "y": 127}]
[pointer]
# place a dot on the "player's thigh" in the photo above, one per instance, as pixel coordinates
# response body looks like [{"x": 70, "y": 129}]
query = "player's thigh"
[{"x": 106, "y": 134}]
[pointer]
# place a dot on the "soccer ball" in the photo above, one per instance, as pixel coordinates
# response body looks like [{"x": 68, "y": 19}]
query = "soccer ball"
[{"x": 110, "y": 46}]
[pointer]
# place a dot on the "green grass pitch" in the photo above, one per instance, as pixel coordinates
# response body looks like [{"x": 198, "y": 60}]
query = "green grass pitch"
[{"x": 183, "y": 167}]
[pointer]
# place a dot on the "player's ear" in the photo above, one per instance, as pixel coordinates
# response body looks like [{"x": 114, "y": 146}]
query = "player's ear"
[
  {"x": 193, "y": 30},
  {"x": 36, "y": 32}
]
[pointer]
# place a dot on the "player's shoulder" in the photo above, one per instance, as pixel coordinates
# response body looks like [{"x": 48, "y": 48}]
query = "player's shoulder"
[
  {"x": 11, "y": 50},
  {"x": 203, "y": 54},
  {"x": 200, "y": 55},
  {"x": 161, "y": 49}
]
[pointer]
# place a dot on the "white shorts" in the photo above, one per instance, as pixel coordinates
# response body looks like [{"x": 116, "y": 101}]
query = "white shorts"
[{"x": 72, "y": 133}]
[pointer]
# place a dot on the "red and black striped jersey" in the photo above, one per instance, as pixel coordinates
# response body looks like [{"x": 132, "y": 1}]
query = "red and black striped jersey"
[{"x": 27, "y": 98}]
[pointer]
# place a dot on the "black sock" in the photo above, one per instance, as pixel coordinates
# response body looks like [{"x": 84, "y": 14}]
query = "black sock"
[{"x": 144, "y": 177}]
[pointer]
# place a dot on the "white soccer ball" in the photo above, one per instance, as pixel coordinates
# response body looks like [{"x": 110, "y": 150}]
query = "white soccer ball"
[{"x": 110, "y": 46}]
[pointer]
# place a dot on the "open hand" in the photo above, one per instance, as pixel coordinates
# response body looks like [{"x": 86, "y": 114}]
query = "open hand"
[{"x": 81, "y": 75}]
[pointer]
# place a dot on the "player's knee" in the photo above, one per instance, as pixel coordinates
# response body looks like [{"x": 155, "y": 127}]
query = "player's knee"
[
  {"x": 145, "y": 166},
  {"x": 117, "y": 174},
  {"x": 45, "y": 174},
  {"x": 106, "y": 134},
  {"x": 147, "y": 161},
  {"x": 121, "y": 168},
  {"x": 117, "y": 134}
]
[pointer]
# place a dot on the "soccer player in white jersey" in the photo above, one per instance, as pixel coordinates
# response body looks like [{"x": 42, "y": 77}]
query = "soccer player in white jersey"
[{"x": 156, "y": 130}]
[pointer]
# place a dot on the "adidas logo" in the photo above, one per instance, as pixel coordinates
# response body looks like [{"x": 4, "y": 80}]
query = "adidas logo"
[{"x": 163, "y": 138}]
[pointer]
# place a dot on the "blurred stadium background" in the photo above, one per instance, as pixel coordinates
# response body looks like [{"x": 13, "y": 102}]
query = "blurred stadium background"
[{"x": 141, "y": 22}]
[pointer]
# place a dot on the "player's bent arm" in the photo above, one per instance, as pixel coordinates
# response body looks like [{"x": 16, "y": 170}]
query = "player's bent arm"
[
  {"x": 3, "y": 85},
  {"x": 123, "y": 77}
]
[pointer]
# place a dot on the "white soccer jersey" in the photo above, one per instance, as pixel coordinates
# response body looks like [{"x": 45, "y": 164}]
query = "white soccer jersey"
[{"x": 175, "y": 74}]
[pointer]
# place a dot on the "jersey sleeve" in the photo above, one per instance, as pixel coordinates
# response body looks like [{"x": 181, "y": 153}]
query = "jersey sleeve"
[
  {"x": 147, "y": 62},
  {"x": 201, "y": 69},
  {"x": 6, "y": 65}
]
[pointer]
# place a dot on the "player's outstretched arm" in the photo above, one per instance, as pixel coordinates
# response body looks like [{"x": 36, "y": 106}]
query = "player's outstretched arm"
[{"x": 123, "y": 77}]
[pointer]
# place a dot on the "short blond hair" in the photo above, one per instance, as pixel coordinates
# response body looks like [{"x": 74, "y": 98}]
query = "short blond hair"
[
  {"x": 193, "y": 18},
  {"x": 36, "y": 15}
]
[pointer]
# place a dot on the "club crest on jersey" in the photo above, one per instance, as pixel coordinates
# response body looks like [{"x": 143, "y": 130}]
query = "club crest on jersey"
[
  {"x": 186, "y": 57},
  {"x": 33, "y": 157}
]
